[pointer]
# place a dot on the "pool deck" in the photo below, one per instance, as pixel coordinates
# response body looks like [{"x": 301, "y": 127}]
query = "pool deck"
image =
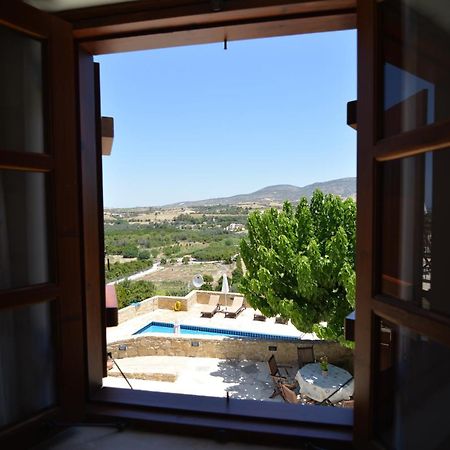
[
  {"x": 199, "y": 376},
  {"x": 213, "y": 377},
  {"x": 243, "y": 322}
]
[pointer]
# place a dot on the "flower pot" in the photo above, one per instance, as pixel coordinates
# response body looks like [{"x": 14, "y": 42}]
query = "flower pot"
[{"x": 324, "y": 373}]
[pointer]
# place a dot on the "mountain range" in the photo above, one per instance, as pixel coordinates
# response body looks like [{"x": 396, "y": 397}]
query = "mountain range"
[{"x": 344, "y": 187}]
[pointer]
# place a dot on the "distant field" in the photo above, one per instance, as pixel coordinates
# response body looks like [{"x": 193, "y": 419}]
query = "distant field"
[
  {"x": 146, "y": 235},
  {"x": 185, "y": 272},
  {"x": 120, "y": 259},
  {"x": 160, "y": 215}
]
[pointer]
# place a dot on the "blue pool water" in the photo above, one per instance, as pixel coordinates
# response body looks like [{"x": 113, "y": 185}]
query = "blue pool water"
[{"x": 163, "y": 327}]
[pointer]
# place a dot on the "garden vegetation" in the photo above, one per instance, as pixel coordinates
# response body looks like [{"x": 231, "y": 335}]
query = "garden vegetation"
[{"x": 300, "y": 263}]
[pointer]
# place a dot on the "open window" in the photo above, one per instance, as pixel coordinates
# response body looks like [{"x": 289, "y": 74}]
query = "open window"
[
  {"x": 402, "y": 325},
  {"x": 163, "y": 406},
  {"x": 402, "y": 315},
  {"x": 75, "y": 195},
  {"x": 41, "y": 309}
]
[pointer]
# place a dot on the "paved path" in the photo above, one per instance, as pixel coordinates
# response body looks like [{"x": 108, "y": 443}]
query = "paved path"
[{"x": 138, "y": 275}]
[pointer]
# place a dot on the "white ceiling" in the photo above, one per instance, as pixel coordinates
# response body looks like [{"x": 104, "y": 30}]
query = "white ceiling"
[{"x": 64, "y": 5}]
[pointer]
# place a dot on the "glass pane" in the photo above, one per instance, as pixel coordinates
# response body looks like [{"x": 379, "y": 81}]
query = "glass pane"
[
  {"x": 415, "y": 224},
  {"x": 415, "y": 46},
  {"x": 412, "y": 390},
  {"x": 23, "y": 229},
  {"x": 27, "y": 366},
  {"x": 21, "y": 93}
]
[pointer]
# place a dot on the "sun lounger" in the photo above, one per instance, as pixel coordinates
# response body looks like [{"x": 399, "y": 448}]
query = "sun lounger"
[
  {"x": 236, "y": 307},
  {"x": 259, "y": 316},
  {"x": 212, "y": 307},
  {"x": 281, "y": 320}
]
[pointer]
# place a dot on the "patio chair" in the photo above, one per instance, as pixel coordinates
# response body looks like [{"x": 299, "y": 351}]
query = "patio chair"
[
  {"x": 282, "y": 320},
  {"x": 305, "y": 354},
  {"x": 288, "y": 395},
  {"x": 212, "y": 307},
  {"x": 279, "y": 379},
  {"x": 236, "y": 307},
  {"x": 259, "y": 316}
]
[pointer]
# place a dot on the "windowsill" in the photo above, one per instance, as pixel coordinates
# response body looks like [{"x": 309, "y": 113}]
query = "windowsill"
[{"x": 279, "y": 420}]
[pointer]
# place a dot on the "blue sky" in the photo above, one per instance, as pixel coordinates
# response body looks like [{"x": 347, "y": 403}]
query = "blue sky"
[{"x": 199, "y": 122}]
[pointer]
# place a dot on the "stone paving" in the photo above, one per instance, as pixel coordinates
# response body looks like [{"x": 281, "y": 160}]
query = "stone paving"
[{"x": 198, "y": 376}]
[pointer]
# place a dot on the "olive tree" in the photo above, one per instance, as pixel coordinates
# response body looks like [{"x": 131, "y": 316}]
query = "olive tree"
[{"x": 300, "y": 263}]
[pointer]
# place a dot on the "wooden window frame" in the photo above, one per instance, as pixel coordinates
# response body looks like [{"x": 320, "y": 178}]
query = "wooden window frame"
[
  {"x": 373, "y": 150},
  {"x": 142, "y": 25},
  {"x": 60, "y": 120}
]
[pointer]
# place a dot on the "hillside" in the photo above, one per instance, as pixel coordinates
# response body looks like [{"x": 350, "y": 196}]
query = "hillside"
[{"x": 344, "y": 187}]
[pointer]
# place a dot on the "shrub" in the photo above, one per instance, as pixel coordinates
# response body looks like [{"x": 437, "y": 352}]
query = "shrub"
[
  {"x": 172, "y": 288},
  {"x": 129, "y": 292},
  {"x": 130, "y": 252},
  {"x": 121, "y": 270},
  {"x": 144, "y": 255},
  {"x": 207, "y": 278}
]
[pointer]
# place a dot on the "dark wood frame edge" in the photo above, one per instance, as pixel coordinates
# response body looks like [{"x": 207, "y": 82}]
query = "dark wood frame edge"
[{"x": 220, "y": 426}]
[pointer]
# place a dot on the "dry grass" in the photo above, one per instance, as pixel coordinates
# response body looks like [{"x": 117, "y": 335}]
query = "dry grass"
[
  {"x": 161, "y": 215},
  {"x": 185, "y": 272},
  {"x": 120, "y": 259}
]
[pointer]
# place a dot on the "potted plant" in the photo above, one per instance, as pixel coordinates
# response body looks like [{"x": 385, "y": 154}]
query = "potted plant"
[{"x": 324, "y": 365}]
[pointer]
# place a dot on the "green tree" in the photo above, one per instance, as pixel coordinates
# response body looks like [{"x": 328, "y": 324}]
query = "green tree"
[
  {"x": 144, "y": 255},
  {"x": 207, "y": 278},
  {"x": 300, "y": 263},
  {"x": 130, "y": 252},
  {"x": 185, "y": 259},
  {"x": 237, "y": 275},
  {"x": 129, "y": 292},
  {"x": 170, "y": 251},
  {"x": 206, "y": 287},
  {"x": 120, "y": 270},
  {"x": 163, "y": 261},
  {"x": 173, "y": 288}
]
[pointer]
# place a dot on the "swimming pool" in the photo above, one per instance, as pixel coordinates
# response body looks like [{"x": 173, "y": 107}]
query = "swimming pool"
[{"x": 163, "y": 327}]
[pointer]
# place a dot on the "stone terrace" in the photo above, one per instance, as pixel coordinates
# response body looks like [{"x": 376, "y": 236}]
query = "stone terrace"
[{"x": 200, "y": 364}]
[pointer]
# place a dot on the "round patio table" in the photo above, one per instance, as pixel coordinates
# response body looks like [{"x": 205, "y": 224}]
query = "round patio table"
[{"x": 319, "y": 387}]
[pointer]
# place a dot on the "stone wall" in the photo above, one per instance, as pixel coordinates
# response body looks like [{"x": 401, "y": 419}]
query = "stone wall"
[
  {"x": 167, "y": 302},
  {"x": 228, "y": 348},
  {"x": 146, "y": 306},
  {"x": 151, "y": 376},
  {"x": 202, "y": 297}
]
